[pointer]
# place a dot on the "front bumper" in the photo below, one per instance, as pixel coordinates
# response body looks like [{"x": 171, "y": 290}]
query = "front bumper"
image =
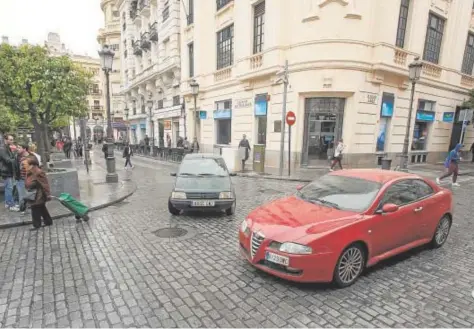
[
  {"x": 302, "y": 268},
  {"x": 219, "y": 204}
]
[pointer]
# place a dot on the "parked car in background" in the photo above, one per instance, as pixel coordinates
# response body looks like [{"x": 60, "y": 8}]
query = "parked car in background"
[
  {"x": 203, "y": 183},
  {"x": 336, "y": 226}
]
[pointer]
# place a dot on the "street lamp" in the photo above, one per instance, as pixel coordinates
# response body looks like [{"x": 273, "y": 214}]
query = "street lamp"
[
  {"x": 152, "y": 126},
  {"x": 414, "y": 74},
  {"x": 126, "y": 110},
  {"x": 195, "y": 90},
  {"x": 107, "y": 59}
]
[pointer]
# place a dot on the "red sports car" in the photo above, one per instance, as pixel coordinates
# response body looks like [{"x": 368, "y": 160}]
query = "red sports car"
[{"x": 336, "y": 226}]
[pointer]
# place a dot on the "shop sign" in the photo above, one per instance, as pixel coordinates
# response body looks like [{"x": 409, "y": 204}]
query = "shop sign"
[
  {"x": 368, "y": 98},
  {"x": 387, "y": 105},
  {"x": 167, "y": 124},
  {"x": 222, "y": 114},
  {"x": 133, "y": 127},
  {"x": 448, "y": 116},
  {"x": 260, "y": 107},
  {"x": 242, "y": 104},
  {"x": 142, "y": 125},
  {"x": 428, "y": 116},
  {"x": 202, "y": 115}
]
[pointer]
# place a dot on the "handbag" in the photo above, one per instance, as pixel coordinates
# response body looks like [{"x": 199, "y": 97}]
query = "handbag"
[{"x": 30, "y": 195}]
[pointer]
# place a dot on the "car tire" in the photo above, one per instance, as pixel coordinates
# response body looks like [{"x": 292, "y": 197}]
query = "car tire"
[
  {"x": 173, "y": 210},
  {"x": 442, "y": 232},
  {"x": 354, "y": 256},
  {"x": 231, "y": 210}
]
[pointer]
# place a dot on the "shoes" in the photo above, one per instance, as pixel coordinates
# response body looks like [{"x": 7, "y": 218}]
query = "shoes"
[
  {"x": 15, "y": 208},
  {"x": 331, "y": 170},
  {"x": 438, "y": 181},
  {"x": 456, "y": 184}
]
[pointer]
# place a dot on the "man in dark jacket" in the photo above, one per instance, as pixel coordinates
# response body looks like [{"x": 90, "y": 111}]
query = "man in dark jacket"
[
  {"x": 22, "y": 154},
  {"x": 127, "y": 153},
  {"x": 7, "y": 171}
]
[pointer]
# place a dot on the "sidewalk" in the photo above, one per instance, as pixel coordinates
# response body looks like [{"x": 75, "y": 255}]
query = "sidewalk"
[{"x": 94, "y": 191}]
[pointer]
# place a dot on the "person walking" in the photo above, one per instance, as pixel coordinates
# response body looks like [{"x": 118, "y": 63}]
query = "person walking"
[
  {"x": 195, "y": 146},
  {"x": 244, "y": 150},
  {"x": 104, "y": 150},
  {"x": 338, "y": 155},
  {"x": 37, "y": 186},
  {"x": 33, "y": 150},
  {"x": 67, "y": 147},
  {"x": 22, "y": 155},
  {"x": 127, "y": 153},
  {"x": 7, "y": 170},
  {"x": 452, "y": 166},
  {"x": 472, "y": 151}
]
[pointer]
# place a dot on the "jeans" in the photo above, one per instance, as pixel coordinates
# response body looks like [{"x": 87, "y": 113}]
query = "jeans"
[
  {"x": 20, "y": 186},
  {"x": 9, "y": 201},
  {"x": 128, "y": 162}
]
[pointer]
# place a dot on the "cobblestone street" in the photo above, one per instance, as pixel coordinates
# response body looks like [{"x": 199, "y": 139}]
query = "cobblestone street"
[{"x": 114, "y": 271}]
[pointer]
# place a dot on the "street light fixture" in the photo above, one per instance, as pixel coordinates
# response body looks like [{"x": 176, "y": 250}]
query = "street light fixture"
[
  {"x": 107, "y": 59},
  {"x": 152, "y": 125},
  {"x": 195, "y": 90},
  {"x": 414, "y": 73}
]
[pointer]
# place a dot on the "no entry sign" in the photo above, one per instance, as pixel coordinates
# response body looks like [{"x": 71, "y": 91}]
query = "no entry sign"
[{"x": 290, "y": 118}]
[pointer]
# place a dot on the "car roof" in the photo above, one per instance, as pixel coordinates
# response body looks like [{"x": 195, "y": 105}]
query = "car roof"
[
  {"x": 194, "y": 156},
  {"x": 375, "y": 175}
]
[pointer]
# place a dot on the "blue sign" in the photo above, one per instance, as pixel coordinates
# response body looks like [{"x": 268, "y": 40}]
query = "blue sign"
[
  {"x": 448, "y": 116},
  {"x": 142, "y": 125},
  {"x": 202, "y": 115},
  {"x": 387, "y": 105},
  {"x": 222, "y": 114},
  {"x": 133, "y": 127},
  {"x": 425, "y": 116},
  {"x": 260, "y": 107}
]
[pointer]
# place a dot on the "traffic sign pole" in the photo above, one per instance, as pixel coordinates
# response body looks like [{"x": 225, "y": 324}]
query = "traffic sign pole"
[{"x": 290, "y": 120}]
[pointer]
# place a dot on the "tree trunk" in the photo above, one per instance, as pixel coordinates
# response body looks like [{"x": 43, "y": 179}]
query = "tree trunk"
[
  {"x": 39, "y": 139},
  {"x": 46, "y": 144}
]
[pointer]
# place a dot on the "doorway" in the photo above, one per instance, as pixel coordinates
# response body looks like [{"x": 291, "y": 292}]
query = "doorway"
[{"x": 323, "y": 127}]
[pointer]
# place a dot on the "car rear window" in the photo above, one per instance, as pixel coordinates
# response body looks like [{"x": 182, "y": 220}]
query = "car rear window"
[
  {"x": 204, "y": 166},
  {"x": 345, "y": 193}
]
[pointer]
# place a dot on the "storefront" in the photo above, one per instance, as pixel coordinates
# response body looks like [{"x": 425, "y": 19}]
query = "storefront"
[
  {"x": 170, "y": 124},
  {"x": 386, "y": 114},
  {"x": 260, "y": 112},
  {"x": 323, "y": 121},
  {"x": 223, "y": 122}
]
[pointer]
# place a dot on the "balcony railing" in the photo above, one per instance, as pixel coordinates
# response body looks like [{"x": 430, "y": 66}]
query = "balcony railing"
[
  {"x": 137, "y": 50},
  {"x": 467, "y": 81},
  {"x": 432, "y": 70},
  {"x": 176, "y": 100},
  {"x": 95, "y": 92},
  {"x": 145, "y": 42},
  {"x": 153, "y": 31},
  {"x": 97, "y": 108},
  {"x": 400, "y": 57},
  {"x": 256, "y": 61},
  {"x": 223, "y": 74}
]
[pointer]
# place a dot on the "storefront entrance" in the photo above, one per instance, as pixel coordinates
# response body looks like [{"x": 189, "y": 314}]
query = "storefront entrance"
[{"x": 323, "y": 127}]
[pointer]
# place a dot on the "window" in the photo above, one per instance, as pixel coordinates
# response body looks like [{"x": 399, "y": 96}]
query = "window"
[
  {"x": 434, "y": 37},
  {"x": 95, "y": 89},
  {"x": 97, "y": 105},
  {"x": 176, "y": 100},
  {"x": 423, "y": 190},
  {"x": 191, "y": 12},
  {"x": 468, "y": 61},
  {"x": 203, "y": 166},
  {"x": 222, "y": 3},
  {"x": 258, "y": 27},
  {"x": 191, "y": 59},
  {"x": 124, "y": 26},
  {"x": 225, "y": 45},
  {"x": 160, "y": 104},
  {"x": 402, "y": 23},
  {"x": 400, "y": 194},
  {"x": 224, "y": 122},
  {"x": 166, "y": 11},
  {"x": 345, "y": 193},
  {"x": 114, "y": 47}
]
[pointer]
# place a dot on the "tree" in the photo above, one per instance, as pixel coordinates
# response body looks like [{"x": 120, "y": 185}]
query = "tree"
[
  {"x": 43, "y": 88},
  {"x": 469, "y": 104},
  {"x": 9, "y": 121}
]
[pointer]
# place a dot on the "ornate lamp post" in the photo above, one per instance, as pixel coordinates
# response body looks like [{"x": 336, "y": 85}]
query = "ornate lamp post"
[
  {"x": 107, "y": 58},
  {"x": 152, "y": 125},
  {"x": 414, "y": 74},
  {"x": 195, "y": 90},
  {"x": 126, "y": 110}
]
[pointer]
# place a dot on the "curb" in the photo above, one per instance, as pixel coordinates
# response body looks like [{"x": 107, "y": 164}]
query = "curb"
[{"x": 91, "y": 209}]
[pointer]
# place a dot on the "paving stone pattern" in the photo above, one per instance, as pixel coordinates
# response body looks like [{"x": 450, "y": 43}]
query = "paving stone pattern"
[{"x": 114, "y": 272}]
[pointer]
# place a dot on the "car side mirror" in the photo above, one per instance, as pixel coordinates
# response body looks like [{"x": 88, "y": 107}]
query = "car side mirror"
[
  {"x": 388, "y": 208},
  {"x": 173, "y": 174},
  {"x": 299, "y": 187},
  {"x": 232, "y": 174}
]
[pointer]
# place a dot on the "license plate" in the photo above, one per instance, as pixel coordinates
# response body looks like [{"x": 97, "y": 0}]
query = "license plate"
[
  {"x": 277, "y": 259},
  {"x": 203, "y": 203}
]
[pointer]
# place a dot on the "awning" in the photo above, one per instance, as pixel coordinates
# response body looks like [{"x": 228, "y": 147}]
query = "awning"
[{"x": 119, "y": 125}]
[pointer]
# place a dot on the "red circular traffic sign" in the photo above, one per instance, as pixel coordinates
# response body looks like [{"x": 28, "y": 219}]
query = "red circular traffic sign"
[{"x": 290, "y": 118}]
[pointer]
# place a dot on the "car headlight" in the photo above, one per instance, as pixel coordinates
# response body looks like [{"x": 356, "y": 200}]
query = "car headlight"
[
  {"x": 178, "y": 195},
  {"x": 226, "y": 195},
  {"x": 244, "y": 227},
  {"x": 295, "y": 248}
]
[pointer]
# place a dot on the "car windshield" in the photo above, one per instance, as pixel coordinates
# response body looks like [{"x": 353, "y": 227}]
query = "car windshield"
[
  {"x": 203, "y": 167},
  {"x": 345, "y": 193}
]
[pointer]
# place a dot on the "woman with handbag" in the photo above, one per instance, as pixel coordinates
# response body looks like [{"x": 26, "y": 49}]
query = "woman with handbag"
[{"x": 38, "y": 193}]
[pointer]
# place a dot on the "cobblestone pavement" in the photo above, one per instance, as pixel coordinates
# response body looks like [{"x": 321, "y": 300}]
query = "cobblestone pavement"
[{"x": 115, "y": 272}]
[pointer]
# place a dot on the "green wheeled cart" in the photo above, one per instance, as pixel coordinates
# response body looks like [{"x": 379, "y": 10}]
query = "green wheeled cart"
[{"x": 80, "y": 210}]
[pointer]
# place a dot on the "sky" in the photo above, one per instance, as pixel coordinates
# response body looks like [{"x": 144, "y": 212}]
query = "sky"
[{"x": 77, "y": 22}]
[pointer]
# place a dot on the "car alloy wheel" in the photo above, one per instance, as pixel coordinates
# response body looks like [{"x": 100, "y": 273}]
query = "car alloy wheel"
[
  {"x": 442, "y": 232},
  {"x": 350, "y": 266}
]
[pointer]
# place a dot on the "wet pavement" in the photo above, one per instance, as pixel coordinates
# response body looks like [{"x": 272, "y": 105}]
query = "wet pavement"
[
  {"x": 116, "y": 271},
  {"x": 94, "y": 193}
]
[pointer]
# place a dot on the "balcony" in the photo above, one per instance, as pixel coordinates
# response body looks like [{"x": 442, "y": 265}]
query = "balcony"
[
  {"x": 432, "y": 70},
  {"x": 400, "y": 57},
  {"x": 145, "y": 41},
  {"x": 256, "y": 62},
  {"x": 95, "y": 92},
  {"x": 153, "y": 31},
  {"x": 222, "y": 75},
  {"x": 467, "y": 81},
  {"x": 144, "y": 7},
  {"x": 97, "y": 109},
  {"x": 137, "y": 50}
]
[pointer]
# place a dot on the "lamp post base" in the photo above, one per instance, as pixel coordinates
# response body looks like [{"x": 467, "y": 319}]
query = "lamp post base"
[
  {"x": 112, "y": 176},
  {"x": 403, "y": 163}
]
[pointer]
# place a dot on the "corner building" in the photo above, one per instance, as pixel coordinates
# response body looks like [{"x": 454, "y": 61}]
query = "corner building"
[{"x": 348, "y": 76}]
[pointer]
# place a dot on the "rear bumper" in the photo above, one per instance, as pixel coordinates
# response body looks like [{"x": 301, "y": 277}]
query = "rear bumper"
[{"x": 188, "y": 204}]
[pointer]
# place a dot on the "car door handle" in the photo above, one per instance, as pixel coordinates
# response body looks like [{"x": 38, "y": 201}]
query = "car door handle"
[{"x": 418, "y": 209}]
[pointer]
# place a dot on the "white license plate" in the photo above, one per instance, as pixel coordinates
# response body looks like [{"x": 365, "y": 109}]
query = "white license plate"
[
  {"x": 203, "y": 203},
  {"x": 277, "y": 259}
]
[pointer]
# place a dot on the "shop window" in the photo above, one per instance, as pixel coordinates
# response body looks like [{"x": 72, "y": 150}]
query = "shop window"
[
  {"x": 260, "y": 109},
  {"x": 425, "y": 115},
  {"x": 420, "y": 136},
  {"x": 223, "y": 122},
  {"x": 386, "y": 112}
]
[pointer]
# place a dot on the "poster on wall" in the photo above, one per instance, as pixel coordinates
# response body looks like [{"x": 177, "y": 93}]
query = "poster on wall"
[
  {"x": 387, "y": 105},
  {"x": 167, "y": 124},
  {"x": 381, "y": 135},
  {"x": 448, "y": 116}
]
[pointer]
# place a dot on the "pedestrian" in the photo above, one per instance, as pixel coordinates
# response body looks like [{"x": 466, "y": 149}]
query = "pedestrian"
[
  {"x": 38, "y": 193},
  {"x": 244, "y": 150},
  {"x": 195, "y": 145},
  {"x": 127, "y": 153},
  {"x": 67, "y": 147},
  {"x": 33, "y": 150},
  {"x": 338, "y": 155},
  {"x": 22, "y": 155},
  {"x": 472, "y": 151},
  {"x": 452, "y": 166},
  {"x": 147, "y": 144},
  {"x": 104, "y": 150},
  {"x": 7, "y": 170}
]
